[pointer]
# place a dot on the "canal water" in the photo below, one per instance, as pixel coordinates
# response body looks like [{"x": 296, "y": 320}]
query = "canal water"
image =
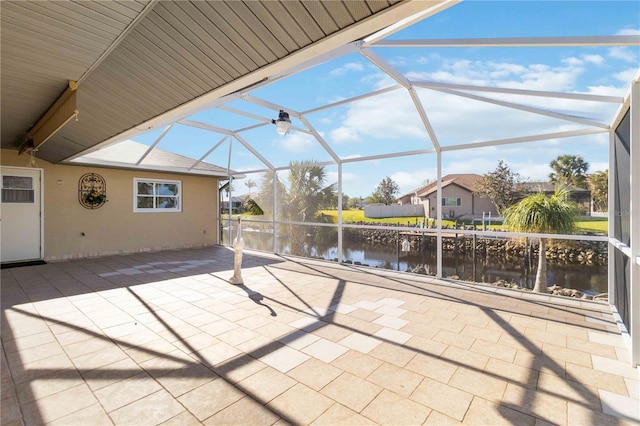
[{"x": 588, "y": 278}]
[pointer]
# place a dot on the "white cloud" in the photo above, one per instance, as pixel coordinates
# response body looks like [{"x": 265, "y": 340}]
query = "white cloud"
[
  {"x": 572, "y": 61},
  {"x": 297, "y": 142},
  {"x": 627, "y": 76},
  {"x": 629, "y": 31},
  {"x": 623, "y": 53},
  {"x": 594, "y": 59},
  {"x": 388, "y": 116},
  {"x": 349, "y": 67}
]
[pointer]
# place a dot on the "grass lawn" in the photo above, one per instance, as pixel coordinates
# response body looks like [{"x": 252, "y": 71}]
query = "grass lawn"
[{"x": 597, "y": 225}]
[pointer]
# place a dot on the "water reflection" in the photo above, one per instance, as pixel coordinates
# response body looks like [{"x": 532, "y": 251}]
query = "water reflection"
[{"x": 321, "y": 242}]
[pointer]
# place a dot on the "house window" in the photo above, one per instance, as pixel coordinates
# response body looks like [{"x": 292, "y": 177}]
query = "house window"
[
  {"x": 451, "y": 202},
  {"x": 17, "y": 189},
  {"x": 157, "y": 195}
]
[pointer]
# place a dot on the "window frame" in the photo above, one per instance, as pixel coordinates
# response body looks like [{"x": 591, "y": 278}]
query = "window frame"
[
  {"x": 178, "y": 196},
  {"x": 446, "y": 199}
]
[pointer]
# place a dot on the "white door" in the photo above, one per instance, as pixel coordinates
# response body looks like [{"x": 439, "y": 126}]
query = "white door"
[{"x": 20, "y": 214}]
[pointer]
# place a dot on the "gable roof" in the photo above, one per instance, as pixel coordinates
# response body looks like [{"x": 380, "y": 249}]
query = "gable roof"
[{"x": 466, "y": 181}]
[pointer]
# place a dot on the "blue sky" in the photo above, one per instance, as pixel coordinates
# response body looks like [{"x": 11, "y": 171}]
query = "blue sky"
[{"x": 390, "y": 123}]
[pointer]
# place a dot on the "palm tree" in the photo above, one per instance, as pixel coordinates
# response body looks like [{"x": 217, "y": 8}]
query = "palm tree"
[
  {"x": 307, "y": 191},
  {"x": 542, "y": 214},
  {"x": 569, "y": 170}
]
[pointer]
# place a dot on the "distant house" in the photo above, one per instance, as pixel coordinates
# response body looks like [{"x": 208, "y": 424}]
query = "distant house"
[
  {"x": 406, "y": 198},
  {"x": 581, "y": 196},
  {"x": 458, "y": 198}
]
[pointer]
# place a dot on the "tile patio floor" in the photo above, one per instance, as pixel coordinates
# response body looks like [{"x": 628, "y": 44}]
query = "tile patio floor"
[{"x": 162, "y": 338}]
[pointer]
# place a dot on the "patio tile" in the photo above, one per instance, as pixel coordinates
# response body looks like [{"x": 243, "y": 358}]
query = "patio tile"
[
  {"x": 93, "y": 415},
  {"x": 437, "y": 418},
  {"x": 493, "y": 350},
  {"x": 445, "y": 349},
  {"x": 517, "y": 374},
  {"x": 34, "y": 354},
  {"x": 298, "y": 339},
  {"x": 392, "y": 335},
  {"x": 485, "y": 334},
  {"x": 389, "y": 408},
  {"x": 547, "y": 407},
  {"x": 126, "y": 391},
  {"x": 27, "y": 342},
  {"x": 392, "y": 353},
  {"x": 309, "y": 404},
  {"x": 111, "y": 373},
  {"x": 591, "y": 347},
  {"x": 357, "y": 363},
  {"x": 391, "y": 322},
  {"x": 433, "y": 368},
  {"x": 58, "y": 405},
  {"x": 365, "y": 314},
  {"x": 389, "y": 301},
  {"x": 153, "y": 409},
  {"x": 351, "y": 391},
  {"x": 325, "y": 350},
  {"x": 395, "y": 379},
  {"x": 244, "y": 411},
  {"x": 332, "y": 332},
  {"x": 314, "y": 373},
  {"x": 620, "y": 406},
  {"x": 185, "y": 418},
  {"x": 182, "y": 380},
  {"x": 579, "y": 415},
  {"x": 613, "y": 366},
  {"x": 208, "y": 399},
  {"x": 239, "y": 368},
  {"x": 150, "y": 350},
  {"x": 216, "y": 353},
  {"x": 360, "y": 342},
  {"x": 565, "y": 354},
  {"x": 476, "y": 383},
  {"x": 266, "y": 384},
  {"x": 47, "y": 385},
  {"x": 464, "y": 358},
  {"x": 483, "y": 412},
  {"x": 338, "y": 414},
  {"x": 443, "y": 398},
  {"x": 99, "y": 358},
  {"x": 454, "y": 339},
  {"x": 599, "y": 379},
  {"x": 284, "y": 359},
  {"x": 30, "y": 371}
]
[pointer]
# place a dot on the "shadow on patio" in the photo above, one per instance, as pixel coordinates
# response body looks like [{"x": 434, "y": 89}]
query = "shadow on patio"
[{"x": 162, "y": 338}]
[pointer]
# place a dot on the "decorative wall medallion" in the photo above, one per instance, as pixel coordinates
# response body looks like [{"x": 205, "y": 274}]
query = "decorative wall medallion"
[{"x": 92, "y": 191}]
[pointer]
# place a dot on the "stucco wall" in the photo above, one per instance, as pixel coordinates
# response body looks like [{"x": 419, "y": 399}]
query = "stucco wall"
[
  {"x": 470, "y": 205},
  {"x": 115, "y": 228}
]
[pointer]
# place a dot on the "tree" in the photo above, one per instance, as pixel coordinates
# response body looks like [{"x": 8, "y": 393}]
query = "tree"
[
  {"x": 386, "y": 192},
  {"x": 250, "y": 184},
  {"x": 569, "y": 170},
  {"x": 502, "y": 186},
  {"x": 354, "y": 202},
  {"x": 307, "y": 192},
  {"x": 541, "y": 214},
  {"x": 599, "y": 186}
]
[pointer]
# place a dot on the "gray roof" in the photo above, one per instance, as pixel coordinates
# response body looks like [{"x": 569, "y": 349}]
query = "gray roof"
[
  {"x": 549, "y": 187},
  {"x": 127, "y": 153}
]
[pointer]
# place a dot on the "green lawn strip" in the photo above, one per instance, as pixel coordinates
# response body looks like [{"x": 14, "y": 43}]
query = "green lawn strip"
[{"x": 594, "y": 225}]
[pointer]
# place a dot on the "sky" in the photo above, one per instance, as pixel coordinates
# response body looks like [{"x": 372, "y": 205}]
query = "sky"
[{"x": 390, "y": 122}]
